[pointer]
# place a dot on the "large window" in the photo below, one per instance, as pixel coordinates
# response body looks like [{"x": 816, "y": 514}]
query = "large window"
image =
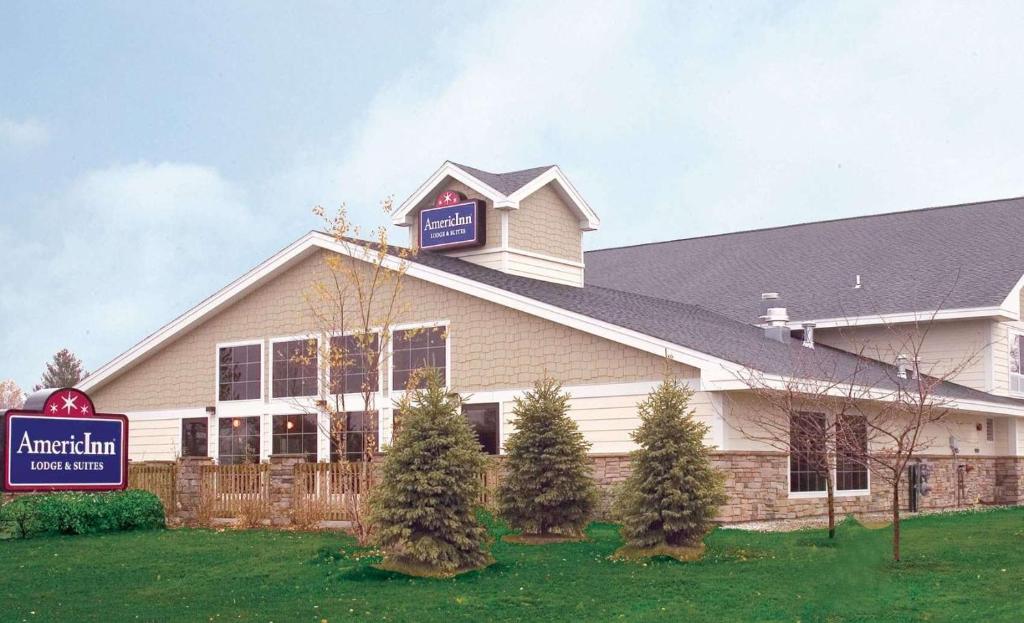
[
  {"x": 295, "y": 434},
  {"x": 807, "y": 458},
  {"x": 193, "y": 436},
  {"x": 354, "y": 363},
  {"x": 418, "y": 349},
  {"x": 240, "y": 372},
  {"x": 851, "y": 453},
  {"x": 352, "y": 435},
  {"x": 484, "y": 420},
  {"x": 294, "y": 368},
  {"x": 239, "y": 440}
]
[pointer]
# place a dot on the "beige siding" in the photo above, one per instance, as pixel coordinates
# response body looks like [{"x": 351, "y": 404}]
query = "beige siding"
[
  {"x": 947, "y": 346},
  {"x": 742, "y": 410},
  {"x": 154, "y": 440},
  {"x": 492, "y": 347},
  {"x": 607, "y": 421},
  {"x": 545, "y": 224}
]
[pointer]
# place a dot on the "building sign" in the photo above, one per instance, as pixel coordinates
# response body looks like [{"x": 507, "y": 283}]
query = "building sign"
[
  {"x": 453, "y": 222},
  {"x": 57, "y": 442}
]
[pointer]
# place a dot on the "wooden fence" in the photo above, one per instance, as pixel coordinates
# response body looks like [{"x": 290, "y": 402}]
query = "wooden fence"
[
  {"x": 332, "y": 490},
  {"x": 230, "y": 490},
  {"x": 159, "y": 478}
]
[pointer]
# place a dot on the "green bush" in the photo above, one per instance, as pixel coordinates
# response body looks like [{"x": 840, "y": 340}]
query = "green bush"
[{"x": 82, "y": 513}]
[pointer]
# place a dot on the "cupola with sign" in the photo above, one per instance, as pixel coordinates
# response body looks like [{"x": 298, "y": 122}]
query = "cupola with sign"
[{"x": 527, "y": 223}]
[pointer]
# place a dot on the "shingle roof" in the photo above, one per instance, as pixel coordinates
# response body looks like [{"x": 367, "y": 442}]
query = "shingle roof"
[
  {"x": 693, "y": 327},
  {"x": 505, "y": 183},
  {"x": 951, "y": 257}
]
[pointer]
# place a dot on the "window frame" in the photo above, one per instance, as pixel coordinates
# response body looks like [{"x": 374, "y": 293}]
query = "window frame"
[
  {"x": 839, "y": 493},
  {"x": 195, "y": 420},
  {"x": 380, "y": 364},
  {"x": 1014, "y": 335},
  {"x": 311, "y": 457},
  {"x": 263, "y": 364},
  {"x": 420, "y": 325},
  {"x": 501, "y": 421},
  {"x": 319, "y": 367},
  {"x": 260, "y": 437}
]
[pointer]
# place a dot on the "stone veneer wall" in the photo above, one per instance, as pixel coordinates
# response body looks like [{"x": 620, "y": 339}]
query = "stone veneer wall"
[{"x": 756, "y": 483}]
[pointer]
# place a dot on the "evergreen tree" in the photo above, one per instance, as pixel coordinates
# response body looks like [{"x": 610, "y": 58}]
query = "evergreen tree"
[
  {"x": 64, "y": 371},
  {"x": 546, "y": 486},
  {"x": 672, "y": 493},
  {"x": 423, "y": 509}
]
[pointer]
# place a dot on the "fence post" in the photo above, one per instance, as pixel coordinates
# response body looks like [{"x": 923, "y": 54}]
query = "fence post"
[
  {"x": 282, "y": 486},
  {"x": 187, "y": 487}
]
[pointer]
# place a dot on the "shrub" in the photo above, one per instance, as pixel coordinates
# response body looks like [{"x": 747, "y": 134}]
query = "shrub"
[
  {"x": 546, "y": 487},
  {"x": 423, "y": 509},
  {"x": 672, "y": 492},
  {"x": 82, "y": 513}
]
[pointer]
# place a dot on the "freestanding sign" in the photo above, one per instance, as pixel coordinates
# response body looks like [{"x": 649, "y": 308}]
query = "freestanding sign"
[
  {"x": 57, "y": 442},
  {"x": 452, "y": 222}
]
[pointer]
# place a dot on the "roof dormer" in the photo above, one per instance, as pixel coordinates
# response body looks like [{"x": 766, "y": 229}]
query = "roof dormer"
[{"x": 528, "y": 222}]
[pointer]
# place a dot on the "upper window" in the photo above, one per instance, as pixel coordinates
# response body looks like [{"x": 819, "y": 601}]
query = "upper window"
[
  {"x": 807, "y": 457},
  {"x": 295, "y": 434},
  {"x": 294, "y": 368},
  {"x": 354, "y": 363},
  {"x": 1017, "y": 362},
  {"x": 851, "y": 453},
  {"x": 240, "y": 372},
  {"x": 193, "y": 436},
  {"x": 239, "y": 440},
  {"x": 418, "y": 349},
  {"x": 353, "y": 434},
  {"x": 484, "y": 420}
]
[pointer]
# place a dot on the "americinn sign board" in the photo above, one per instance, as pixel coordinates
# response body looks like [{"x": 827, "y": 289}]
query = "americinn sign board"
[
  {"x": 453, "y": 222},
  {"x": 58, "y": 442}
]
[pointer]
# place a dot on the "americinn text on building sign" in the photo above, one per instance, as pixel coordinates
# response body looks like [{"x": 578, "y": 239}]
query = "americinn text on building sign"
[
  {"x": 58, "y": 442},
  {"x": 452, "y": 222}
]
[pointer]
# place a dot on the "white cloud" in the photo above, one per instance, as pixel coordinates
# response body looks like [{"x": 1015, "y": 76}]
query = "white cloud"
[
  {"x": 27, "y": 133},
  {"x": 121, "y": 252}
]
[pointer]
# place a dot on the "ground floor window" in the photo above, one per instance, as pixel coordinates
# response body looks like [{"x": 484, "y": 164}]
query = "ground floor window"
[
  {"x": 238, "y": 440},
  {"x": 295, "y": 434},
  {"x": 353, "y": 434},
  {"x": 484, "y": 420},
  {"x": 808, "y": 458},
  {"x": 851, "y": 453},
  {"x": 193, "y": 436}
]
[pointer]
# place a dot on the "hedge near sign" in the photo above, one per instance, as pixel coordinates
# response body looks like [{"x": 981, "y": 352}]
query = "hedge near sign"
[{"x": 57, "y": 442}]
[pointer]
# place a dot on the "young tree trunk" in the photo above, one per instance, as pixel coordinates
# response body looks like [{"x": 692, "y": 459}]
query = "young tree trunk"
[
  {"x": 896, "y": 521},
  {"x": 831, "y": 494}
]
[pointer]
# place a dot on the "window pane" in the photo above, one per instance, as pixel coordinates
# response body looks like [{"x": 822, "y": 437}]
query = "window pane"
[
  {"x": 851, "y": 452},
  {"x": 415, "y": 349},
  {"x": 353, "y": 436},
  {"x": 354, "y": 364},
  {"x": 484, "y": 420},
  {"x": 807, "y": 458},
  {"x": 295, "y": 365},
  {"x": 239, "y": 440},
  {"x": 193, "y": 437},
  {"x": 240, "y": 373}
]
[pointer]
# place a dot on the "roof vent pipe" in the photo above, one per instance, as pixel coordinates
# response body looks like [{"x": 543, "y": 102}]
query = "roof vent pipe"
[
  {"x": 901, "y": 366},
  {"x": 808, "y": 334},
  {"x": 776, "y": 317}
]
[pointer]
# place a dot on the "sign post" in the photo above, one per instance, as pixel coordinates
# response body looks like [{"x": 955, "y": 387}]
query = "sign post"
[{"x": 57, "y": 442}]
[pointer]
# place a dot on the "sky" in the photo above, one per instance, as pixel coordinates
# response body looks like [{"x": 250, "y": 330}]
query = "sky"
[{"x": 152, "y": 152}]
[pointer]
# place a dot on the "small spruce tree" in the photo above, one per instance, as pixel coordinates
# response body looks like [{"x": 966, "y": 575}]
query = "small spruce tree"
[
  {"x": 423, "y": 510},
  {"x": 546, "y": 487},
  {"x": 64, "y": 371},
  {"x": 672, "y": 492}
]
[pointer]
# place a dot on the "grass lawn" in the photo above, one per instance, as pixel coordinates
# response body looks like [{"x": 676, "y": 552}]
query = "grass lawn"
[{"x": 960, "y": 567}]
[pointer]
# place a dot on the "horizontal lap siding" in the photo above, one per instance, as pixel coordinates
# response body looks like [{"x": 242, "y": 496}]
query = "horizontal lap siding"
[
  {"x": 154, "y": 440},
  {"x": 606, "y": 422}
]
